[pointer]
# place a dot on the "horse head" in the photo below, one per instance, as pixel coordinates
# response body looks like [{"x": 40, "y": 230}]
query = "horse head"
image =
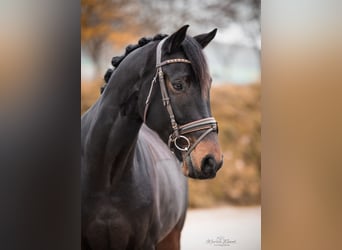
[{"x": 179, "y": 108}]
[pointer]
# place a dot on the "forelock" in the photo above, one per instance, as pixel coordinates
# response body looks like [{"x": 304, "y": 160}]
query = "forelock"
[{"x": 193, "y": 52}]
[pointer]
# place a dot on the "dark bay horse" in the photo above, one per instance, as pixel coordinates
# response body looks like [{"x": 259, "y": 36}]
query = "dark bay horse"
[{"x": 150, "y": 129}]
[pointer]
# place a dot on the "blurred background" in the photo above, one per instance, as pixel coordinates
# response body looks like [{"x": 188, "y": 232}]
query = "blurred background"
[
  {"x": 108, "y": 26},
  {"x": 301, "y": 124}
]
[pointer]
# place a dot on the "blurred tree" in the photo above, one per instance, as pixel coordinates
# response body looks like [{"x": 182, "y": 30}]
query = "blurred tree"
[
  {"x": 169, "y": 15},
  {"x": 118, "y": 22},
  {"x": 245, "y": 13},
  {"x": 107, "y": 22}
]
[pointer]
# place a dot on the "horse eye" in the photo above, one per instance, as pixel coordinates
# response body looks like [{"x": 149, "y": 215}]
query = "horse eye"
[{"x": 178, "y": 86}]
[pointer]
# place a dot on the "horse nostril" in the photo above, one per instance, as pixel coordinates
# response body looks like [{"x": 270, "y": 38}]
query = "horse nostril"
[{"x": 209, "y": 166}]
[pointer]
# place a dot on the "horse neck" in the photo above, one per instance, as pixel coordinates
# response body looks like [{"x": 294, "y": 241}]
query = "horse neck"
[
  {"x": 108, "y": 148},
  {"x": 112, "y": 137},
  {"x": 120, "y": 147}
]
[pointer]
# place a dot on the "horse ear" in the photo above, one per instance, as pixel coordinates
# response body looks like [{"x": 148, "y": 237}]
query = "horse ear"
[
  {"x": 204, "y": 39},
  {"x": 174, "y": 41}
]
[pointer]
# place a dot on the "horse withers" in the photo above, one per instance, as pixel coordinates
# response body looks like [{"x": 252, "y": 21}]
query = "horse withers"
[{"x": 150, "y": 129}]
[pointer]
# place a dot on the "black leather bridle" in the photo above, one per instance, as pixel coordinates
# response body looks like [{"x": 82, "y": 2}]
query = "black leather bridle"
[{"x": 178, "y": 136}]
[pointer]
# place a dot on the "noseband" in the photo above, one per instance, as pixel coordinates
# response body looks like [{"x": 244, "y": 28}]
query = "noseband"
[{"x": 178, "y": 137}]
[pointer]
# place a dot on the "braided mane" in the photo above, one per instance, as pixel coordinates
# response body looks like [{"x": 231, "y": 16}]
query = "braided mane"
[
  {"x": 116, "y": 60},
  {"x": 192, "y": 50}
]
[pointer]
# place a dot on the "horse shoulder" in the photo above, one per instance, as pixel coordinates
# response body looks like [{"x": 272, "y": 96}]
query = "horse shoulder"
[{"x": 169, "y": 184}]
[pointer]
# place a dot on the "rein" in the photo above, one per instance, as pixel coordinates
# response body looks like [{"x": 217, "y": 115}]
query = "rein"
[{"x": 177, "y": 137}]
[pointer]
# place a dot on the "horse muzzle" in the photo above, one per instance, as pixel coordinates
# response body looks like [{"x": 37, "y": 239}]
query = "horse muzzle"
[{"x": 204, "y": 161}]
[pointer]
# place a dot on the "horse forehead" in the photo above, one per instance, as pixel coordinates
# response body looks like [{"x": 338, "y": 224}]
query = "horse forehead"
[{"x": 178, "y": 70}]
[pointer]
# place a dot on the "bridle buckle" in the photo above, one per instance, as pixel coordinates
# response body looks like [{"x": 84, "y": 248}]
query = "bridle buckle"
[{"x": 182, "y": 143}]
